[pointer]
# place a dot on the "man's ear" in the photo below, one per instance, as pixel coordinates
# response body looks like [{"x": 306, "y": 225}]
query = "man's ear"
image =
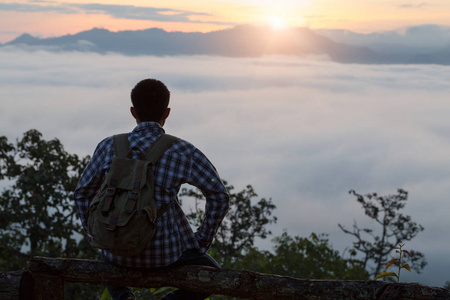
[
  {"x": 133, "y": 113},
  {"x": 166, "y": 113},
  {"x": 165, "y": 116}
]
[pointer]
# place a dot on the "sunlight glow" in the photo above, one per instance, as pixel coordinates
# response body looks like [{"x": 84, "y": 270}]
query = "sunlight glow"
[{"x": 278, "y": 23}]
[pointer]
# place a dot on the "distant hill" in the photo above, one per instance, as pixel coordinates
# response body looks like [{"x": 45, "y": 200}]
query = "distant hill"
[
  {"x": 240, "y": 41},
  {"x": 427, "y": 44},
  {"x": 421, "y": 38}
]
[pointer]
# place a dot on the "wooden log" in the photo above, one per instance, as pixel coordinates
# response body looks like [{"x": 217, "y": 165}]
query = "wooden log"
[
  {"x": 243, "y": 284},
  {"x": 10, "y": 285},
  {"x": 47, "y": 287},
  {"x": 16, "y": 285}
]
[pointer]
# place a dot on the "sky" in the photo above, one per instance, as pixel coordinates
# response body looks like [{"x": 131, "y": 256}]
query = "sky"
[
  {"x": 301, "y": 131},
  {"x": 54, "y": 18}
]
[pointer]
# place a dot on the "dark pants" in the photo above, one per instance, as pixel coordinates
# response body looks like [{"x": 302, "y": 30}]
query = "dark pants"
[{"x": 189, "y": 257}]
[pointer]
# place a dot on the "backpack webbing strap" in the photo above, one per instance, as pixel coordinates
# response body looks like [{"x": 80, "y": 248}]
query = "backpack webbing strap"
[
  {"x": 133, "y": 196},
  {"x": 121, "y": 146},
  {"x": 121, "y": 150},
  {"x": 158, "y": 148}
]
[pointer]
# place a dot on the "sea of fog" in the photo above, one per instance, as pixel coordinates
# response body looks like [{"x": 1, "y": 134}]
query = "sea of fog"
[{"x": 302, "y": 131}]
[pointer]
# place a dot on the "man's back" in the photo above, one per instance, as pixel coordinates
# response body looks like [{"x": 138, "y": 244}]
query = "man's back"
[{"x": 181, "y": 163}]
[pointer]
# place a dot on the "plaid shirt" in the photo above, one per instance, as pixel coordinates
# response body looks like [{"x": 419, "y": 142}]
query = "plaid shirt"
[{"x": 181, "y": 163}]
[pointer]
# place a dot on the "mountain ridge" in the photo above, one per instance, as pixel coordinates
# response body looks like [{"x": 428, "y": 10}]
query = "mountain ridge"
[{"x": 243, "y": 41}]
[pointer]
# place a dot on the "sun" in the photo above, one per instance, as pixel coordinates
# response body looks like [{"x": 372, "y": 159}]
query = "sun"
[{"x": 277, "y": 22}]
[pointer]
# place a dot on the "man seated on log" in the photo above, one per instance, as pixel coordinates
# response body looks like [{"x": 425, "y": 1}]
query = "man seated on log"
[{"x": 174, "y": 242}]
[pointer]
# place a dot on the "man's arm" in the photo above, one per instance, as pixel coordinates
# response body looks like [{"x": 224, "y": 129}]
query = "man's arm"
[
  {"x": 91, "y": 180},
  {"x": 204, "y": 176}
]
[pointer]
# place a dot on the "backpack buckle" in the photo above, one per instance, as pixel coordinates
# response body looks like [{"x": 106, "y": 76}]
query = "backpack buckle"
[
  {"x": 133, "y": 197},
  {"x": 110, "y": 192},
  {"x": 113, "y": 220}
]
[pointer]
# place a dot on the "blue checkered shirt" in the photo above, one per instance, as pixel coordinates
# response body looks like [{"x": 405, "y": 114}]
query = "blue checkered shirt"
[{"x": 181, "y": 163}]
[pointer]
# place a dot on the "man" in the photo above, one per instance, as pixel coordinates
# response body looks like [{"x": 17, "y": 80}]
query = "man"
[{"x": 174, "y": 242}]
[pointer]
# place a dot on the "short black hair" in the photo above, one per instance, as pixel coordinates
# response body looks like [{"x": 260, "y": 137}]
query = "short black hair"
[{"x": 150, "y": 98}]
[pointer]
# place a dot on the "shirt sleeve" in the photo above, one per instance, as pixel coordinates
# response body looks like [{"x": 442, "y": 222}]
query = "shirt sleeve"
[
  {"x": 204, "y": 176},
  {"x": 91, "y": 180}
]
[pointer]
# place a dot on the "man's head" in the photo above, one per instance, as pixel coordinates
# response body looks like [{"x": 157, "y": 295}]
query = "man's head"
[{"x": 150, "y": 98}]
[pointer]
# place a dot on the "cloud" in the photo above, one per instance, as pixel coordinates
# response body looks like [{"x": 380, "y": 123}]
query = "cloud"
[
  {"x": 20, "y": 7},
  {"x": 147, "y": 13},
  {"x": 140, "y": 13},
  {"x": 302, "y": 131},
  {"x": 8, "y": 32},
  {"x": 419, "y": 5},
  {"x": 116, "y": 11}
]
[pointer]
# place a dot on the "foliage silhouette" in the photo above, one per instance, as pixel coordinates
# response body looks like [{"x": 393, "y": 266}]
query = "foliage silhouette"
[
  {"x": 37, "y": 215},
  {"x": 396, "y": 228},
  {"x": 245, "y": 221}
]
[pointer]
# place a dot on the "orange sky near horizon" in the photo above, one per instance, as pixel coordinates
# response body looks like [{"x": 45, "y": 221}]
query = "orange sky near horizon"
[{"x": 47, "y": 19}]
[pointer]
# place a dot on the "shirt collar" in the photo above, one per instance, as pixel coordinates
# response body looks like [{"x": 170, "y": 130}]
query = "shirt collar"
[{"x": 152, "y": 127}]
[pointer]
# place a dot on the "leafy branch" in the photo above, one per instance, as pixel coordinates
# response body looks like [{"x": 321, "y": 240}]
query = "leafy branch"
[{"x": 400, "y": 251}]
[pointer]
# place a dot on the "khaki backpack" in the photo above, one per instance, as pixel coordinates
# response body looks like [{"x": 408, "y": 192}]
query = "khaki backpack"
[{"x": 122, "y": 215}]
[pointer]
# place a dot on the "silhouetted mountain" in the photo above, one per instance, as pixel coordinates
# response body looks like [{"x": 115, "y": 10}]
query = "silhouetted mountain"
[
  {"x": 241, "y": 41},
  {"x": 422, "y": 40},
  {"x": 441, "y": 57},
  {"x": 26, "y": 39},
  {"x": 419, "y": 37}
]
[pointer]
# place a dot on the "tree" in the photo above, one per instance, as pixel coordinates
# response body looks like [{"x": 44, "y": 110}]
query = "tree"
[
  {"x": 302, "y": 257},
  {"x": 37, "y": 215},
  {"x": 245, "y": 221},
  {"x": 313, "y": 258},
  {"x": 396, "y": 228}
]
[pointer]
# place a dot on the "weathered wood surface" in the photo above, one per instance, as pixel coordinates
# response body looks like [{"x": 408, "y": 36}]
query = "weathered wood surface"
[
  {"x": 10, "y": 284},
  {"x": 45, "y": 288},
  {"x": 243, "y": 284},
  {"x": 16, "y": 285}
]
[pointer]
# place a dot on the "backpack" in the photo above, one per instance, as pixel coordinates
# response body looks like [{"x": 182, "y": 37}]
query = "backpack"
[{"x": 122, "y": 215}]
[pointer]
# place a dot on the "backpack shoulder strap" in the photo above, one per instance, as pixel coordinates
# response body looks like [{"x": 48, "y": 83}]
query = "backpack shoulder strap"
[
  {"x": 158, "y": 148},
  {"x": 121, "y": 146}
]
